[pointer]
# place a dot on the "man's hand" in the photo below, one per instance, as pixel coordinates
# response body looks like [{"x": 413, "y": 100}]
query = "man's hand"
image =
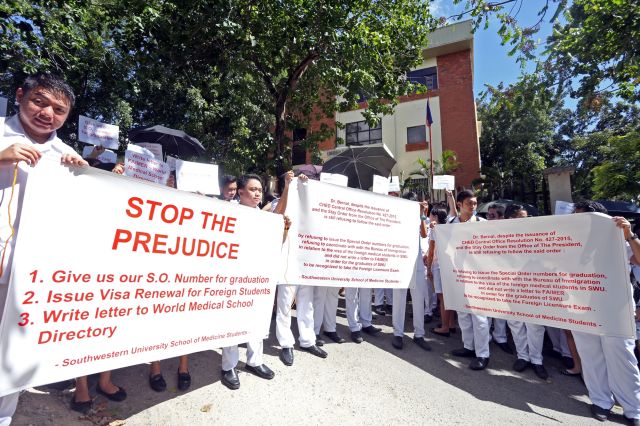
[
  {"x": 97, "y": 150},
  {"x": 623, "y": 224},
  {"x": 302, "y": 177},
  {"x": 20, "y": 152},
  {"x": 73, "y": 160},
  {"x": 287, "y": 222},
  {"x": 424, "y": 206},
  {"x": 118, "y": 169},
  {"x": 288, "y": 177}
]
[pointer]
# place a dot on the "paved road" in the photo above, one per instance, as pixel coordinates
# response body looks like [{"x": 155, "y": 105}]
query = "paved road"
[{"x": 367, "y": 384}]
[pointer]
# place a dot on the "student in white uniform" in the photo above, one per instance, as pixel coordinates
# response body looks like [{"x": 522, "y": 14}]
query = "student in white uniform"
[
  {"x": 474, "y": 328},
  {"x": 325, "y": 307},
  {"x": 438, "y": 216},
  {"x": 44, "y": 103},
  {"x": 250, "y": 195},
  {"x": 418, "y": 290},
  {"x": 359, "y": 317},
  {"x": 609, "y": 366},
  {"x": 527, "y": 337},
  {"x": 287, "y": 293}
]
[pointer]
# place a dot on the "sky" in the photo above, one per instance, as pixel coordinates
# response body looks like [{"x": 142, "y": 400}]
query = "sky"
[{"x": 492, "y": 64}]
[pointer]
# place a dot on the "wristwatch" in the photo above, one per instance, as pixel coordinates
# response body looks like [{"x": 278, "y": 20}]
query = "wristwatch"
[
  {"x": 632, "y": 237},
  {"x": 423, "y": 217}
]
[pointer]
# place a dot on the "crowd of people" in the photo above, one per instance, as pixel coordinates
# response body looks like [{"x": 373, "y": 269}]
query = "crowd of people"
[{"x": 607, "y": 364}]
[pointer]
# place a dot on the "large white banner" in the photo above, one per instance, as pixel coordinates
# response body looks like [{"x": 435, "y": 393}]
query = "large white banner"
[
  {"x": 146, "y": 273},
  {"x": 567, "y": 271},
  {"x": 94, "y": 132},
  {"x": 344, "y": 237}
]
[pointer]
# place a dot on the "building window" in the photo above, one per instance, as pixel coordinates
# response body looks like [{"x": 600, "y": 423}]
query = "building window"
[
  {"x": 359, "y": 133},
  {"x": 416, "y": 134},
  {"x": 298, "y": 151},
  {"x": 424, "y": 76}
]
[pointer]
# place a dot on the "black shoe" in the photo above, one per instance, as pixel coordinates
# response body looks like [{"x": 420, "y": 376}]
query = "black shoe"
[
  {"x": 81, "y": 407},
  {"x": 599, "y": 413},
  {"x": 440, "y": 333},
  {"x": 379, "y": 309},
  {"x": 356, "y": 336},
  {"x": 463, "y": 353},
  {"x": 568, "y": 363},
  {"x": 428, "y": 318},
  {"x": 540, "y": 371},
  {"x": 286, "y": 356},
  {"x": 633, "y": 422},
  {"x": 479, "y": 363},
  {"x": 422, "y": 343},
  {"x": 117, "y": 396},
  {"x": 314, "y": 350},
  {"x": 334, "y": 336},
  {"x": 157, "y": 383},
  {"x": 520, "y": 365},
  {"x": 230, "y": 379},
  {"x": 397, "y": 342},
  {"x": 319, "y": 341},
  {"x": 505, "y": 347},
  {"x": 388, "y": 309},
  {"x": 261, "y": 371},
  {"x": 371, "y": 330},
  {"x": 184, "y": 380}
]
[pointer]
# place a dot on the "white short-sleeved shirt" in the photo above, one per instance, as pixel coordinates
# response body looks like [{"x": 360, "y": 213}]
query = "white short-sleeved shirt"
[{"x": 52, "y": 150}]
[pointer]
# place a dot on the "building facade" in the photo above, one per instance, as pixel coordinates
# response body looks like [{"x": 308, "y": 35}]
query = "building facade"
[{"x": 447, "y": 71}]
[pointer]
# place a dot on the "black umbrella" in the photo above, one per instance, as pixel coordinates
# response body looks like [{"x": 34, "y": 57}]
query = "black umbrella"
[
  {"x": 174, "y": 142},
  {"x": 360, "y": 163}
]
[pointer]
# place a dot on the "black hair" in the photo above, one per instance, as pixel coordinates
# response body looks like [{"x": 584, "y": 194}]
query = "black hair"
[
  {"x": 244, "y": 179},
  {"x": 512, "y": 209},
  {"x": 588, "y": 206},
  {"x": 463, "y": 195},
  {"x": 411, "y": 196},
  {"x": 227, "y": 179},
  {"x": 51, "y": 82},
  {"x": 440, "y": 213},
  {"x": 498, "y": 208}
]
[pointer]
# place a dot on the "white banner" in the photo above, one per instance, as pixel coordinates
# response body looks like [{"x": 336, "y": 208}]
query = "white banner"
[
  {"x": 343, "y": 237},
  {"x": 96, "y": 133},
  {"x": 567, "y": 271},
  {"x": 444, "y": 182},
  {"x": 140, "y": 163},
  {"x": 107, "y": 156},
  {"x": 197, "y": 177},
  {"x": 162, "y": 273},
  {"x": 3, "y": 106}
]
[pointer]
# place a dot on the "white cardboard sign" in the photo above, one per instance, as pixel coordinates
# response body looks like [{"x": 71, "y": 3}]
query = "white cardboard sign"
[
  {"x": 140, "y": 163},
  {"x": 567, "y": 271},
  {"x": 154, "y": 148},
  {"x": 563, "y": 207},
  {"x": 163, "y": 273},
  {"x": 394, "y": 184},
  {"x": 94, "y": 132},
  {"x": 107, "y": 155},
  {"x": 380, "y": 185},
  {"x": 444, "y": 182},
  {"x": 334, "y": 179},
  {"x": 197, "y": 177}
]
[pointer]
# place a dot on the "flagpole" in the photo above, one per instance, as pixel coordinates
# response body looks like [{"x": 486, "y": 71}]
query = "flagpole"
[{"x": 430, "y": 153}]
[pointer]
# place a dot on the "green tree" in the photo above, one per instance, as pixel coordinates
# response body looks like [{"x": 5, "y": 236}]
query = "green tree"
[{"x": 618, "y": 177}]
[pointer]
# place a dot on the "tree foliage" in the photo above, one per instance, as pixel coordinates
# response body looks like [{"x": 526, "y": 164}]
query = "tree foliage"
[{"x": 618, "y": 177}]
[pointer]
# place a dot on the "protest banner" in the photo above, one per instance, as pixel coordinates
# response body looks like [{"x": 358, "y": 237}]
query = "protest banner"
[
  {"x": 141, "y": 163},
  {"x": 3, "y": 106},
  {"x": 334, "y": 179},
  {"x": 154, "y": 148},
  {"x": 344, "y": 237},
  {"x": 107, "y": 156},
  {"x": 380, "y": 185},
  {"x": 162, "y": 273},
  {"x": 568, "y": 271},
  {"x": 94, "y": 132},
  {"x": 171, "y": 162},
  {"x": 444, "y": 182},
  {"x": 197, "y": 177}
]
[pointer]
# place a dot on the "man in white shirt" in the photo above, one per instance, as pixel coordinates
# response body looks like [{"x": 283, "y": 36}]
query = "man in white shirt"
[{"x": 26, "y": 139}]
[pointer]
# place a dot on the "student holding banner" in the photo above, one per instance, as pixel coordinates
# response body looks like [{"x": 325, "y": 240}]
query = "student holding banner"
[
  {"x": 609, "y": 366},
  {"x": 418, "y": 291},
  {"x": 44, "y": 102},
  {"x": 527, "y": 337},
  {"x": 474, "y": 328},
  {"x": 250, "y": 195},
  {"x": 303, "y": 295}
]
